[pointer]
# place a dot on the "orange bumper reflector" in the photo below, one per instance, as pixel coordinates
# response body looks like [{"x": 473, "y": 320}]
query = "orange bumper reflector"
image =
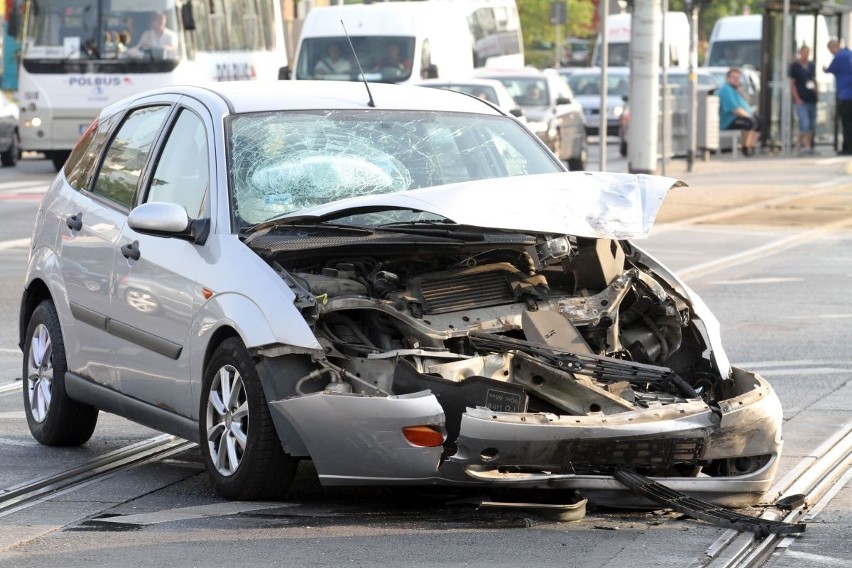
[
  {"x": 207, "y": 293},
  {"x": 423, "y": 436}
]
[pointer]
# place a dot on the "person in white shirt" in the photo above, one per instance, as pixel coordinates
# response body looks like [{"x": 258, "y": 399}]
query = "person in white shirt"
[
  {"x": 157, "y": 37},
  {"x": 332, "y": 63}
]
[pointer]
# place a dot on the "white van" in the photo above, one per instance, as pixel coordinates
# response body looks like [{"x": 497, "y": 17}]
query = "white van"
[
  {"x": 395, "y": 42},
  {"x": 618, "y": 30},
  {"x": 735, "y": 41}
]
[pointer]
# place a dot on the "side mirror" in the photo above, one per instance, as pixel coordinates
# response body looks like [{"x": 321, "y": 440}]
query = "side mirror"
[
  {"x": 187, "y": 16},
  {"x": 168, "y": 220},
  {"x": 624, "y": 98},
  {"x": 430, "y": 72},
  {"x": 563, "y": 101},
  {"x": 517, "y": 112},
  {"x": 284, "y": 73}
]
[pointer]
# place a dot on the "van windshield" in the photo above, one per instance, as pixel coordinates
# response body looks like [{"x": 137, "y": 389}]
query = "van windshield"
[
  {"x": 734, "y": 54},
  {"x": 384, "y": 59}
]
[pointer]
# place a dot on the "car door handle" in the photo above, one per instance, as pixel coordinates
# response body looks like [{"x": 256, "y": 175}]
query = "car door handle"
[
  {"x": 131, "y": 250},
  {"x": 75, "y": 222}
]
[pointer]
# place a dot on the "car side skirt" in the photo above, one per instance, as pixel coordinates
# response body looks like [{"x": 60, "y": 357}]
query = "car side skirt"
[{"x": 108, "y": 400}]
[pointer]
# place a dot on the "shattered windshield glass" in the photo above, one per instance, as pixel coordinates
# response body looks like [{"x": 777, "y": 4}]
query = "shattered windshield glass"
[{"x": 283, "y": 162}]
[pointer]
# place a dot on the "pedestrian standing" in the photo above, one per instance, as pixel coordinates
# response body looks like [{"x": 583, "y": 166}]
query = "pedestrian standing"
[
  {"x": 841, "y": 68},
  {"x": 803, "y": 88}
]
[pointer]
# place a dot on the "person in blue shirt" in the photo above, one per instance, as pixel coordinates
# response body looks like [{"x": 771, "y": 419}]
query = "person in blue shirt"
[
  {"x": 735, "y": 113},
  {"x": 841, "y": 68}
]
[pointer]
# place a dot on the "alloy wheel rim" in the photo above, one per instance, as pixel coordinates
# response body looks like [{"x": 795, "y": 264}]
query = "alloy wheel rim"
[
  {"x": 40, "y": 373},
  {"x": 227, "y": 420}
]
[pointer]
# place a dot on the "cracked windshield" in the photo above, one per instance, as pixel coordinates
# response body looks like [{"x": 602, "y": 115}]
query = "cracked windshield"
[{"x": 285, "y": 162}]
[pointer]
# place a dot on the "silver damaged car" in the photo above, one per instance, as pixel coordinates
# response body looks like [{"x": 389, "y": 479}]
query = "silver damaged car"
[{"x": 403, "y": 285}]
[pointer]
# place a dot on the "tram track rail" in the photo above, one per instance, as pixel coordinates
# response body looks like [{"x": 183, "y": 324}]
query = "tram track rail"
[
  {"x": 808, "y": 487},
  {"x": 33, "y": 492}
]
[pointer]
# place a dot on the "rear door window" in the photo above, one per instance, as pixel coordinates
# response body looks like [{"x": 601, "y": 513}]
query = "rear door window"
[{"x": 127, "y": 153}]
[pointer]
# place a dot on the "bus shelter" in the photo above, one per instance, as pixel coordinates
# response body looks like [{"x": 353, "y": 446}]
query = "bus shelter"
[{"x": 787, "y": 25}]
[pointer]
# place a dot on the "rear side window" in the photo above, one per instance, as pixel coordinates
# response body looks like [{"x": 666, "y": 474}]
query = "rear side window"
[
  {"x": 127, "y": 153},
  {"x": 84, "y": 157}
]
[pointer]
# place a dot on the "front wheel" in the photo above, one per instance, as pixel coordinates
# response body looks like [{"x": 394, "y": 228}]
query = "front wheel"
[
  {"x": 54, "y": 419},
  {"x": 11, "y": 156},
  {"x": 242, "y": 453}
]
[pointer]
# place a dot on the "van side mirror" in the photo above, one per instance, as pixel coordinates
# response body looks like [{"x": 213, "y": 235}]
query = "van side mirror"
[
  {"x": 430, "y": 72},
  {"x": 563, "y": 101},
  {"x": 517, "y": 112},
  {"x": 187, "y": 16},
  {"x": 284, "y": 73}
]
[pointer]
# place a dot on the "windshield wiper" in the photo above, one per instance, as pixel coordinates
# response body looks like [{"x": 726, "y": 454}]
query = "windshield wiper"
[{"x": 432, "y": 229}]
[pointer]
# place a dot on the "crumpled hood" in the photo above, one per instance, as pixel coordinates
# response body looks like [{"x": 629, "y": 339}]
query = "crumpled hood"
[{"x": 583, "y": 204}]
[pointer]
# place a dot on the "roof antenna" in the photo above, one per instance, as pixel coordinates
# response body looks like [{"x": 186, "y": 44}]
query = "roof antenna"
[{"x": 371, "y": 102}]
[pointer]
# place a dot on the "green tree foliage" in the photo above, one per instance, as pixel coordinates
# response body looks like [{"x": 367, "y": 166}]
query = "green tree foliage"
[{"x": 540, "y": 35}]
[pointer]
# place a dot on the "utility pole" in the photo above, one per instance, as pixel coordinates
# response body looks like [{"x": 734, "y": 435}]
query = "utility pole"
[
  {"x": 602, "y": 131},
  {"x": 692, "y": 11},
  {"x": 644, "y": 87}
]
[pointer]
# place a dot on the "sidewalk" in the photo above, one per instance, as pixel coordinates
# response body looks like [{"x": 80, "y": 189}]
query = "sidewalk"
[{"x": 724, "y": 183}]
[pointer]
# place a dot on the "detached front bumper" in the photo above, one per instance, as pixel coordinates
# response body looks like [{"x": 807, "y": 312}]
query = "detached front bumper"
[{"x": 356, "y": 440}]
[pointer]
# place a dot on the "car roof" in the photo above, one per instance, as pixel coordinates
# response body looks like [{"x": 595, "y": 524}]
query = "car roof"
[
  {"x": 261, "y": 96},
  {"x": 518, "y": 72},
  {"x": 480, "y": 81},
  {"x": 597, "y": 71}
]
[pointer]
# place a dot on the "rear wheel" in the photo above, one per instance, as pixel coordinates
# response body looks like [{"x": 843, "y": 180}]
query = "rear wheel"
[
  {"x": 53, "y": 418},
  {"x": 11, "y": 156},
  {"x": 242, "y": 453}
]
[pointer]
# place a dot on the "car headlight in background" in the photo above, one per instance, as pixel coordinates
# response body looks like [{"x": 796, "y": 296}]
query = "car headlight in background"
[{"x": 617, "y": 111}]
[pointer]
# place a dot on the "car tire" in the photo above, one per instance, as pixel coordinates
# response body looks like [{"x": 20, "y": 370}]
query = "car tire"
[
  {"x": 11, "y": 156},
  {"x": 54, "y": 419},
  {"x": 242, "y": 452},
  {"x": 579, "y": 163},
  {"x": 622, "y": 148}
]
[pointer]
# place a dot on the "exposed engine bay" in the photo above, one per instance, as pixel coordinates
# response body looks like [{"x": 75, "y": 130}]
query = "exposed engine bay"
[{"x": 510, "y": 323}]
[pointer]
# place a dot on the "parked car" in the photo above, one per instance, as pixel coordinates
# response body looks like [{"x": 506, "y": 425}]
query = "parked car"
[
  {"x": 490, "y": 90},
  {"x": 404, "y": 286},
  {"x": 586, "y": 85},
  {"x": 10, "y": 140},
  {"x": 550, "y": 107},
  {"x": 678, "y": 81}
]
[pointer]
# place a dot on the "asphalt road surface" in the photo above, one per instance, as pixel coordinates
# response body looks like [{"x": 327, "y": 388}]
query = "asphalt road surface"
[{"x": 777, "y": 276}]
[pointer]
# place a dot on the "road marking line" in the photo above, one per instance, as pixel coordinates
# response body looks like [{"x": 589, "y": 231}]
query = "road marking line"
[
  {"x": 770, "y": 248},
  {"x": 801, "y": 362},
  {"x": 822, "y": 316},
  {"x": 801, "y": 371},
  {"x": 16, "y": 243},
  {"x": 12, "y": 387},
  {"x": 188, "y": 513},
  {"x": 756, "y": 281}
]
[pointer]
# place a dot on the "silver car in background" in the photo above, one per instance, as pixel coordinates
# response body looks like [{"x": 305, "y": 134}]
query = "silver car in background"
[
  {"x": 404, "y": 286},
  {"x": 550, "y": 107}
]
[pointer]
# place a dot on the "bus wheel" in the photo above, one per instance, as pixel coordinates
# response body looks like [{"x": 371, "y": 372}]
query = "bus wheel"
[{"x": 58, "y": 157}]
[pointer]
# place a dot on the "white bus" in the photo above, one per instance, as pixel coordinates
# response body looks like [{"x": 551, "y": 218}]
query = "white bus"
[{"x": 81, "y": 55}]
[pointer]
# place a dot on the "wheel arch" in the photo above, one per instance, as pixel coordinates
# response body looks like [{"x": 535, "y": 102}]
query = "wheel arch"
[{"x": 34, "y": 294}]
